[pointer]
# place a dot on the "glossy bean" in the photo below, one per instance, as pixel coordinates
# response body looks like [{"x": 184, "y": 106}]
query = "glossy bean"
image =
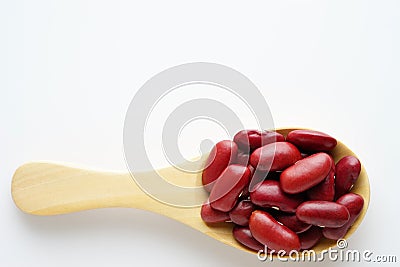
[
  {"x": 210, "y": 215},
  {"x": 249, "y": 140},
  {"x": 310, "y": 238},
  {"x": 306, "y": 173},
  {"x": 229, "y": 186},
  {"x": 311, "y": 141},
  {"x": 241, "y": 213},
  {"x": 354, "y": 203},
  {"x": 347, "y": 171},
  {"x": 269, "y": 194},
  {"x": 222, "y": 154},
  {"x": 325, "y": 190},
  {"x": 292, "y": 222},
  {"x": 243, "y": 236},
  {"x": 269, "y": 232},
  {"x": 275, "y": 157},
  {"x": 323, "y": 213}
]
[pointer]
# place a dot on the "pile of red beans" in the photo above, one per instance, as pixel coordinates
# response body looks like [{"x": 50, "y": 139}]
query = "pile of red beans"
[{"x": 301, "y": 194}]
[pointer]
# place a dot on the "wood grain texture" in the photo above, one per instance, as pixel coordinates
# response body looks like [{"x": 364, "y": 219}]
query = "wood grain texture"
[{"x": 42, "y": 188}]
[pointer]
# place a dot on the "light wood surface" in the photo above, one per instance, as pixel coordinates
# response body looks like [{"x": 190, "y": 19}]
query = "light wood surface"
[{"x": 42, "y": 188}]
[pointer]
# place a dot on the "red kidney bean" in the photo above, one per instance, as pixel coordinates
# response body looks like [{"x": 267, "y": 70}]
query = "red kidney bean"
[
  {"x": 269, "y": 232},
  {"x": 306, "y": 173},
  {"x": 347, "y": 171},
  {"x": 323, "y": 213},
  {"x": 292, "y": 222},
  {"x": 244, "y": 237},
  {"x": 228, "y": 187},
  {"x": 269, "y": 194},
  {"x": 354, "y": 203},
  {"x": 241, "y": 212},
  {"x": 310, "y": 238},
  {"x": 210, "y": 215},
  {"x": 325, "y": 190},
  {"x": 222, "y": 154},
  {"x": 249, "y": 140},
  {"x": 275, "y": 157},
  {"x": 311, "y": 141}
]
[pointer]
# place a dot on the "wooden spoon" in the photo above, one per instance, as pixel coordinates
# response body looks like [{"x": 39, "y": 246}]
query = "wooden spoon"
[{"x": 48, "y": 189}]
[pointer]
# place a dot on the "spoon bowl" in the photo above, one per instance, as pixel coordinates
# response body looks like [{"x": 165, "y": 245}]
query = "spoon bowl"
[{"x": 42, "y": 188}]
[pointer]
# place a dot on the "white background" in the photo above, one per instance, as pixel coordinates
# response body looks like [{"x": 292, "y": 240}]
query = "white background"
[{"x": 68, "y": 70}]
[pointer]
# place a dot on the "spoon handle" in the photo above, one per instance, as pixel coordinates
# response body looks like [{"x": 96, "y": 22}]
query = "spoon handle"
[{"x": 48, "y": 189}]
